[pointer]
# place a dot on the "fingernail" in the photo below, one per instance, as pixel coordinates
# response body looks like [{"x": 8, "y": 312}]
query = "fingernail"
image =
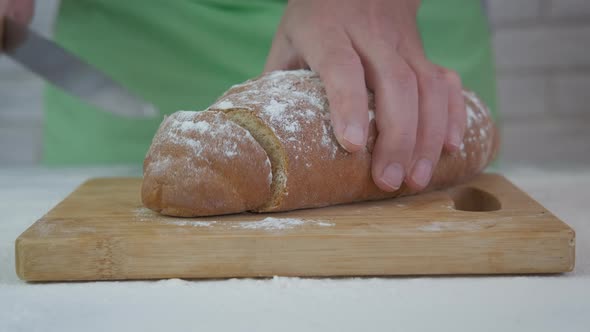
[
  {"x": 354, "y": 134},
  {"x": 422, "y": 172},
  {"x": 455, "y": 139},
  {"x": 393, "y": 176}
]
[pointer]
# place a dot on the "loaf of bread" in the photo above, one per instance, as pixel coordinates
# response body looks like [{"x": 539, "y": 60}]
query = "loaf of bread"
[{"x": 267, "y": 145}]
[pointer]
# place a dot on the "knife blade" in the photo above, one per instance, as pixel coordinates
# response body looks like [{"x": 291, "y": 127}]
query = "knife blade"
[{"x": 73, "y": 75}]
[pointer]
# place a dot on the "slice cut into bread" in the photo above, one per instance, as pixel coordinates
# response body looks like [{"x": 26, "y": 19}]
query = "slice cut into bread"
[{"x": 274, "y": 150}]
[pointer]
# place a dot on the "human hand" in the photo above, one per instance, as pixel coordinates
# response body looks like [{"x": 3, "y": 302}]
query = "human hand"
[
  {"x": 19, "y": 10},
  {"x": 358, "y": 44}
]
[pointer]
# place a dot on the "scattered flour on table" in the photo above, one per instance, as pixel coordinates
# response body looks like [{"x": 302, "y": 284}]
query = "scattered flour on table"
[
  {"x": 440, "y": 226},
  {"x": 463, "y": 226},
  {"x": 189, "y": 223},
  {"x": 324, "y": 223},
  {"x": 146, "y": 215},
  {"x": 45, "y": 228},
  {"x": 271, "y": 223}
]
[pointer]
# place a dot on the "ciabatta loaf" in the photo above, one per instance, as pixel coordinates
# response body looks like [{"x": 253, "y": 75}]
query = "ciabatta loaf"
[{"x": 267, "y": 145}]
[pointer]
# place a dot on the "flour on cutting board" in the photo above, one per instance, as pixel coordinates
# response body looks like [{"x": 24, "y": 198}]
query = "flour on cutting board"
[
  {"x": 146, "y": 215},
  {"x": 143, "y": 214},
  {"x": 462, "y": 226},
  {"x": 271, "y": 223}
]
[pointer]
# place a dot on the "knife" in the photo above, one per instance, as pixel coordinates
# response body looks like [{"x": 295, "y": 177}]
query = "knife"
[{"x": 70, "y": 73}]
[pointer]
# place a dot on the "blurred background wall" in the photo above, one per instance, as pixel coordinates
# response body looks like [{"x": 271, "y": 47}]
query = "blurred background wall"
[{"x": 543, "y": 66}]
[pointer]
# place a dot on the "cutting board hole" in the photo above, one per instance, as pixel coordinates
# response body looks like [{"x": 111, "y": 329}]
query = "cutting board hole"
[{"x": 474, "y": 200}]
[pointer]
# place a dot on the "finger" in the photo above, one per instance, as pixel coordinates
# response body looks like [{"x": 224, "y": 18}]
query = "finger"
[
  {"x": 457, "y": 114},
  {"x": 432, "y": 125},
  {"x": 341, "y": 71},
  {"x": 20, "y": 10},
  {"x": 394, "y": 84},
  {"x": 396, "y": 102},
  {"x": 396, "y": 99},
  {"x": 3, "y": 6},
  {"x": 282, "y": 55}
]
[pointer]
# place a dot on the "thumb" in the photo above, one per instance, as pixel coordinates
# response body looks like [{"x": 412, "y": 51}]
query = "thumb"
[{"x": 282, "y": 55}]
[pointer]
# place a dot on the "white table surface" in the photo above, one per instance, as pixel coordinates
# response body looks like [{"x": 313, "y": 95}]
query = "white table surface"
[{"x": 497, "y": 303}]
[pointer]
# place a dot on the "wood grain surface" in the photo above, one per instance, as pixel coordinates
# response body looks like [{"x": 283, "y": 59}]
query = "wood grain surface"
[{"x": 487, "y": 226}]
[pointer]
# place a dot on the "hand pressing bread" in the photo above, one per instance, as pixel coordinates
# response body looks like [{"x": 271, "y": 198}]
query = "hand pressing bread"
[
  {"x": 268, "y": 145},
  {"x": 18, "y": 10},
  {"x": 353, "y": 44}
]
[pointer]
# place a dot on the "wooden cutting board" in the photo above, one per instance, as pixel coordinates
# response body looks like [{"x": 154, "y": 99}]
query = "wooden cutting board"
[{"x": 488, "y": 226}]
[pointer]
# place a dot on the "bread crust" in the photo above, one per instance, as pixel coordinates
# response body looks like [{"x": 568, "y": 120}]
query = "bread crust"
[
  {"x": 318, "y": 171},
  {"x": 202, "y": 164}
]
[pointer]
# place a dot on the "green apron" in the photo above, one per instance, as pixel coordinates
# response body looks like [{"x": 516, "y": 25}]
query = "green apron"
[{"x": 182, "y": 55}]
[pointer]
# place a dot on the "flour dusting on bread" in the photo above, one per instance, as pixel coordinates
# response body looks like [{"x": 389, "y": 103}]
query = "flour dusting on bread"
[
  {"x": 479, "y": 130},
  {"x": 289, "y": 101},
  {"x": 181, "y": 127},
  {"x": 201, "y": 162}
]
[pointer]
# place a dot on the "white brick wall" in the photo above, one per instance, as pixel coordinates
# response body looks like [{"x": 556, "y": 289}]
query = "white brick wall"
[
  {"x": 523, "y": 96},
  {"x": 569, "y": 9},
  {"x": 570, "y": 94},
  {"x": 512, "y": 10},
  {"x": 542, "y": 47},
  {"x": 542, "y": 50}
]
